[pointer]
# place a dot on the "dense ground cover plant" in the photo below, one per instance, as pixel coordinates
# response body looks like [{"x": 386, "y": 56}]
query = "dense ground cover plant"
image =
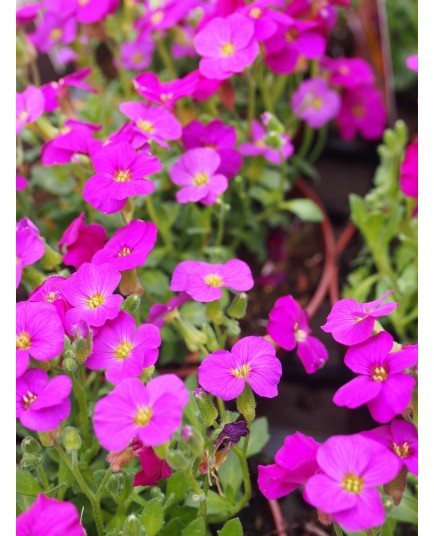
[{"x": 137, "y": 194}]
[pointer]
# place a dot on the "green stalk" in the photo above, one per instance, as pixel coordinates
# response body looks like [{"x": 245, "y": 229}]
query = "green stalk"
[
  {"x": 252, "y": 99},
  {"x": 43, "y": 477},
  {"x": 80, "y": 395},
  {"x": 165, "y": 56},
  {"x": 338, "y": 530},
  {"x": 220, "y": 224},
  {"x": 153, "y": 214},
  {"x": 104, "y": 481}
]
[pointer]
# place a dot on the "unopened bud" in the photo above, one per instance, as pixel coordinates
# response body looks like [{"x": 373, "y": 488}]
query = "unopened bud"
[
  {"x": 390, "y": 138},
  {"x": 146, "y": 374},
  {"x": 232, "y": 327},
  {"x": 30, "y": 445},
  {"x": 211, "y": 339},
  {"x": 71, "y": 439},
  {"x": 51, "y": 258},
  {"x": 130, "y": 283},
  {"x": 238, "y": 307},
  {"x": 206, "y": 407},
  {"x": 177, "y": 460},
  {"x": 214, "y": 312},
  {"x": 70, "y": 364},
  {"x": 131, "y": 304},
  {"x": 274, "y": 140},
  {"x": 83, "y": 349},
  {"x": 401, "y": 131},
  {"x": 116, "y": 483},
  {"x": 48, "y": 438},
  {"x": 30, "y": 462},
  {"x": 193, "y": 338},
  {"x": 246, "y": 404},
  {"x": 132, "y": 527},
  {"x": 271, "y": 123}
]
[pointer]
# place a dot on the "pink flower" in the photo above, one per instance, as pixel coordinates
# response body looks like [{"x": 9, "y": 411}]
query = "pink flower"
[
  {"x": 227, "y": 46},
  {"x": 90, "y": 292},
  {"x": 409, "y": 171},
  {"x": 81, "y": 241},
  {"x": 54, "y": 91},
  {"x": 204, "y": 281},
  {"x": 39, "y": 333},
  {"x": 196, "y": 172},
  {"x": 53, "y": 30},
  {"x": 49, "y": 517},
  {"x": 151, "y": 89},
  {"x": 349, "y": 72},
  {"x": 150, "y": 413},
  {"x": 412, "y": 63},
  {"x": 264, "y": 19},
  {"x": 289, "y": 327},
  {"x": 258, "y": 146},
  {"x": 120, "y": 173},
  {"x": 293, "y": 39},
  {"x": 166, "y": 15},
  {"x": 21, "y": 183},
  {"x": 351, "y": 322},
  {"x": 129, "y": 246},
  {"x": 295, "y": 464},
  {"x": 29, "y": 107},
  {"x": 29, "y": 249},
  {"x": 137, "y": 55},
  {"x": 124, "y": 350},
  {"x": 215, "y": 135},
  {"x": 27, "y": 13},
  {"x": 86, "y": 11},
  {"x": 49, "y": 292},
  {"x": 315, "y": 102},
  {"x": 252, "y": 360},
  {"x": 400, "y": 437},
  {"x": 382, "y": 384},
  {"x": 153, "y": 469},
  {"x": 42, "y": 404},
  {"x": 362, "y": 111},
  {"x": 158, "y": 312},
  {"x": 352, "y": 466},
  {"x": 152, "y": 123}
]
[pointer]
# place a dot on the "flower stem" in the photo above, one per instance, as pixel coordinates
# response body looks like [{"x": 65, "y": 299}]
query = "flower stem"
[
  {"x": 165, "y": 56},
  {"x": 220, "y": 224},
  {"x": 165, "y": 234},
  {"x": 101, "y": 487},
  {"x": 337, "y": 529},
  {"x": 80, "y": 395},
  {"x": 43, "y": 478}
]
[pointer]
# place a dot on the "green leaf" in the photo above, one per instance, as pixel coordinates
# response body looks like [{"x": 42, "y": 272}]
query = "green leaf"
[
  {"x": 152, "y": 517},
  {"x": 231, "y": 477},
  {"x": 259, "y": 436},
  {"x": 195, "y": 528},
  {"x": 232, "y": 528},
  {"x": 305, "y": 209},
  {"x": 172, "y": 528},
  {"x": 388, "y": 529},
  {"x": 154, "y": 282},
  {"x": 406, "y": 511},
  {"x": 217, "y": 504},
  {"x": 177, "y": 485},
  {"x": 26, "y": 484}
]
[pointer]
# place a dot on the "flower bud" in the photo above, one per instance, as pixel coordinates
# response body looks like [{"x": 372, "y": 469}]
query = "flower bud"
[
  {"x": 30, "y": 462},
  {"x": 401, "y": 131},
  {"x": 146, "y": 374},
  {"x": 211, "y": 339},
  {"x": 206, "y": 407},
  {"x": 83, "y": 349},
  {"x": 70, "y": 364},
  {"x": 193, "y": 338},
  {"x": 271, "y": 123},
  {"x": 246, "y": 404},
  {"x": 131, "y": 304},
  {"x": 30, "y": 445},
  {"x": 71, "y": 439},
  {"x": 48, "y": 438},
  {"x": 177, "y": 460},
  {"x": 274, "y": 141},
  {"x": 238, "y": 307},
  {"x": 232, "y": 327},
  {"x": 116, "y": 483},
  {"x": 132, "y": 527},
  {"x": 214, "y": 312},
  {"x": 156, "y": 493},
  {"x": 51, "y": 258},
  {"x": 130, "y": 283}
]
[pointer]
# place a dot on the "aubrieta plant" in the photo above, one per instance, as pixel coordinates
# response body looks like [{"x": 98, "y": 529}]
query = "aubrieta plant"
[{"x": 143, "y": 174}]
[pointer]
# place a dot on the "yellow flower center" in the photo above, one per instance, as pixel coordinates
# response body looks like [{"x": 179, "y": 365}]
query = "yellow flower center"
[
  {"x": 380, "y": 374},
  {"x": 353, "y": 483},
  {"x": 242, "y": 372},
  {"x": 260, "y": 143},
  {"x": 56, "y": 34},
  {"x": 317, "y": 103},
  {"x": 23, "y": 341},
  {"x": 213, "y": 280},
  {"x": 65, "y": 130},
  {"x": 123, "y": 175},
  {"x": 157, "y": 17},
  {"x": 29, "y": 399},
  {"x": 255, "y": 12},
  {"x": 23, "y": 115},
  {"x": 124, "y": 252},
  {"x": 300, "y": 335},
  {"x": 95, "y": 301},
  {"x": 166, "y": 96},
  {"x": 403, "y": 451},
  {"x": 83, "y": 2},
  {"x": 358, "y": 111},
  {"x": 137, "y": 57},
  {"x": 143, "y": 416},
  {"x": 200, "y": 179},
  {"x": 146, "y": 126},
  {"x": 51, "y": 297},
  {"x": 344, "y": 70},
  {"x": 123, "y": 350},
  {"x": 228, "y": 49},
  {"x": 292, "y": 34}
]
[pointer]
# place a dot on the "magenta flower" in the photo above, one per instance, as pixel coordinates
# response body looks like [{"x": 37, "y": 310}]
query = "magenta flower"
[
  {"x": 39, "y": 333},
  {"x": 90, "y": 292},
  {"x": 400, "y": 437},
  {"x": 196, "y": 172},
  {"x": 49, "y": 292},
  {"x": 29, "y": 107},
  {"x": 215, "y": 135},
  {"x": 264, "y": 19},
  {"x": 129, "y": 246},
  {"x": 259, "y": 147},
  {"x": 204, "y": 282},
  {"x": 227, "y": 46},
  {"x": 252, "y": 360},
  {"x": 137, "y": 55},
  {"x": 351, "y": 322},
  {"x": 54, "y": 91},
  {"x": 42, "y": 404},
  {"x": 81, "y": 241},
  {"x": 29, "y": 249},
  {"x": 153, "y": 469},
  {"x": 315, "y": 102},
  {"x": 412, "y": 63},
  {"x": 152, "y": 123},
  {"x": 382, "y": 384},
  {"x": 21, "y": 183},
  {"x": 158, "y": 312},
  {"x": 352, "y": 466},
  {"x": 295, "y": 464},
  {"x": 293, "y": 39},
  {"x": 362, "y": 111},
  {"x": 120, "y": 173},
  {"x": 289, "y": 327},
  {"x": 72, "y": 140},
  {"x": 85, "y": 11},
  {"x": 53, "y": 30},
  {"x": 151, "y": 89},
  {"x": 150, "y": 413},
  {"x": 27, "y": 13},
  {"x": 349, "y": 72},
  {"x": 409, "y": 171},
  {"x": 124, "y": 350},
  {"x": 49, "y": 517},
  {"x": 166, "y": 15}
]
